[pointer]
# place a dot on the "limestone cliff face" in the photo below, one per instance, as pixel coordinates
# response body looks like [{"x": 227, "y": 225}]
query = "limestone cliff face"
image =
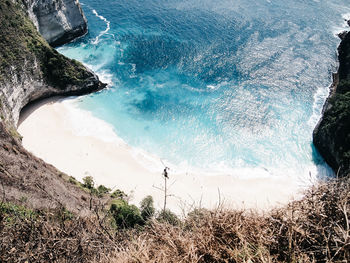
[
  {"x": 332, "y": 134},
  {"x": 58, "y": 21},
  {"x": 31, "y": 69}
]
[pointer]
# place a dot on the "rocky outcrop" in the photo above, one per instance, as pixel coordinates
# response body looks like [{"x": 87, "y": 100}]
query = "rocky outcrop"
[
  {"x": 30, "y": 69},
  {"x": 29, "y": 86},
  {"x": 332, "y": 134},
  {"x": 58, "y": 21}
]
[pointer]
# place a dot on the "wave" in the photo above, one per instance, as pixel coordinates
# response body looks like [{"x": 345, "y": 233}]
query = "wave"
[
  {"x": 272, "y": 62},
  {"x": 320, "y": 97},
  {"x": 346, "y": 16},
  {"x": 83, "y": 123},
  {"x": 322, "y": 93},
  {"x": 108, "y": 27},
  {"x": 104, "y": 75},
  {"x": 344, "y": 26}
]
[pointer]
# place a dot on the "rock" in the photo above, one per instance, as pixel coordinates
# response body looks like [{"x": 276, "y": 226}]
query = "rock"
[
  {"x": 58, "y": 21},
  {"x": 29, "y": 68},
  {"x": 331, "y": 136},
  {"x": 342, "y": 35}
]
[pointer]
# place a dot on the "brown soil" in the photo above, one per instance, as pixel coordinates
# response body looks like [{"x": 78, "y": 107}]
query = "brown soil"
[{"x": 26, "y": 178}]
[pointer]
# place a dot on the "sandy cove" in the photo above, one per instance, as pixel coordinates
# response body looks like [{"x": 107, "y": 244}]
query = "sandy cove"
[{"x": 49, "y": 133}]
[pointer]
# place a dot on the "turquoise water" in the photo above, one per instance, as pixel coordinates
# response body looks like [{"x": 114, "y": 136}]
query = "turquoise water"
[{"x": 216, "y": 85}]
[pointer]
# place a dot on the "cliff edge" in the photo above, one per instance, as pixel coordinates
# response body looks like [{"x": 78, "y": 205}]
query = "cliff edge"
[
  {"x": 58, "y": 21},
  {"x": 30, "y": 70},
  {"x": 332, "y": 134}
]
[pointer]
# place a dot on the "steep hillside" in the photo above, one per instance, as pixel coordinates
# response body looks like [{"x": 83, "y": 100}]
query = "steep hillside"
[
  {"x": 332, "y": 134},
  {"x": 29, "y": 70}
]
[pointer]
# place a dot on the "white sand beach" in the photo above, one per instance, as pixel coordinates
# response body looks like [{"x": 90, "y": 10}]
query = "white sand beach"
[{"x": 51, "y": 132}]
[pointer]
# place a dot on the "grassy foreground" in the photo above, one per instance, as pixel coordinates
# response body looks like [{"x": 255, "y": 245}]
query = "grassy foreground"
[{"x": 314, "y": 229}]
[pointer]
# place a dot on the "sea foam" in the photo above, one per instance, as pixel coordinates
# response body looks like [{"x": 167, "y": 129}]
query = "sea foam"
[
  {"x": 108, "y": 27},
  {"x": 83, "y": 123},
  {"x": 213, "y": 88}
]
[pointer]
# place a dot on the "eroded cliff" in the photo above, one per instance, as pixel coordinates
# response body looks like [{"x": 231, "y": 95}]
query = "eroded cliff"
[
  {"x": 29, "y": 70},
  {"x": 332, "y": 134},
  {"x": 58, "y": 21}
]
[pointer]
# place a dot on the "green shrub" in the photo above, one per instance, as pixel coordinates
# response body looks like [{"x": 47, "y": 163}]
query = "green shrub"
[
  {"x": 147, "y": 208},
  {"x": 101, "y": 189},
  {"x": 166, "y": 216},
  {"x": 118, "y": 194},
  {"x": 72, "y": 180},
  {"x": 335, "y": 125},
  {"x": 10, "y": 212},
  {"x": 88, "y": 182},
  {"x": 125, "y": 215}
]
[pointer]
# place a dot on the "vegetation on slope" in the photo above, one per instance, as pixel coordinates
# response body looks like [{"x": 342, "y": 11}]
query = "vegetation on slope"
[
  {"x": 336, "y": 126},
  {"x": 314, "y": 229},
  {"x": 30, "y": 69}
]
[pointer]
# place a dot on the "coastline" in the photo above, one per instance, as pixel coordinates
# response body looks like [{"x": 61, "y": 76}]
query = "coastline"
[{"x": 50, "y": 134}]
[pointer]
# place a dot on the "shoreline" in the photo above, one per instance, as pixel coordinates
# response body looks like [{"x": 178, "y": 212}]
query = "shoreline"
[{"x": 50, "y": 133}]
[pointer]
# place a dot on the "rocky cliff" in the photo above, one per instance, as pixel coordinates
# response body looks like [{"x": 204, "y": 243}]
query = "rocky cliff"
[
  {"x": 332, "y": 134},
  {"x": 58, "y": 21},
  {"x": 30, "y": 70}
]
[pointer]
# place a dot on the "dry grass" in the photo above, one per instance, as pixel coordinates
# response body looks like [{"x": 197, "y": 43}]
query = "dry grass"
[
  {"x": 50, "y": 236},
  {"x": 208, "y": 237},
  {"x": 314, "y": 229}
]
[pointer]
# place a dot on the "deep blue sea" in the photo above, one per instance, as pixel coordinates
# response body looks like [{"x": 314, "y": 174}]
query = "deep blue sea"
[{"x": 225, "y": 85}]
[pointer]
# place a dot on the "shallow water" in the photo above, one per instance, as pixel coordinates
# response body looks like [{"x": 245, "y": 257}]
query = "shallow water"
[{"x": 224, "y": 86}]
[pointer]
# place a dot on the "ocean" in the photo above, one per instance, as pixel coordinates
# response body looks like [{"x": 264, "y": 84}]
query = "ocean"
[{"x": 229, "y": 87}]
